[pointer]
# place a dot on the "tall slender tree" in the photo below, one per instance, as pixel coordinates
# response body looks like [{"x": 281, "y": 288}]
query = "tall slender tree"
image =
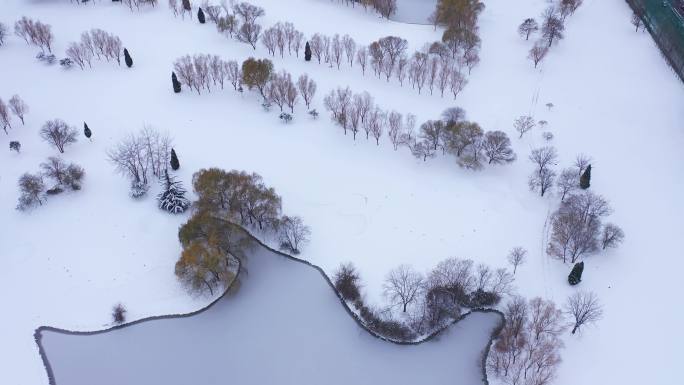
[
  {"x": 86, "y": 131},
  {"x": 307, "y": 52},
  {"x": 127, "y": 58},
  {"x": 175, "y": 165},
  {"x": 176, "y": 84},
  {"x": 200, "y": 16},
  {"x": 585, "y": 179}
]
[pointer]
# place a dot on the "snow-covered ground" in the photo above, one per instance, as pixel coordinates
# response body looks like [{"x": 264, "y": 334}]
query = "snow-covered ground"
[
  {"x": 284, "y": 326},
  {"x": 414, "y": 11},
  {"x": 67, "y": 263}
]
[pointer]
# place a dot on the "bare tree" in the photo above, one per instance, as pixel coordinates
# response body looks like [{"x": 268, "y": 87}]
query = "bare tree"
[
  {"x": 5, "y": 120},
  {"x": 185, "y": 69},
  {"x": 402, "y": 67},
  {"x": 349, "y": 48},
  {"x": 528, "y": 27},
  {"x": 79, "y": 54},
  {"x": 227, "y": 24},
  {"x": 538, "y": 53},
  {"x": 32, "y": 191},
  {"x": 249, "y": 33},
  {"x": 497, "y": 147},
  {"x": 316, "y": 44},
  {"x": 458, "y": 82},
  {"x": 612, "y": 236},
  {"x": 543, "y": 157},
  {"x": 307, "y": 88},
  {"x": 376, "y": 121},
  {"x": 233, "y": 73},
  {"x": 213, "y": 12},
  {"x": 337, "y": 50},
  {"x": 293, "y": 233},
  {"x": 338, "y": 101},
  {"x": 58, "y": 133},
  {"x": 283, "y": 90},
  {"x": 269, "y": 40},
  {"x": 517, "y": 257},
  {"x": 552, "y": 26},
  {"x": 636, "y": 21},
  {"x": 3, "y": 33},
  {"x": 567, "y": 182},
  {"x": 394, "y": 121},
  {"x": 541, "y": 180},
  {"x": 34, "y": 32},
  {"x": 584, "y": 308},
  {"x": 523, "y": 124},
  {"x": 362, "y": 58},
  {"x": 248, "y": 12},
  {"x": 403, "y": 285}
]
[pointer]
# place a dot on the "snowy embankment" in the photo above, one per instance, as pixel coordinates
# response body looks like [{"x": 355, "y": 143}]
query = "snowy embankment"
[{"x": 68, "y": 262}]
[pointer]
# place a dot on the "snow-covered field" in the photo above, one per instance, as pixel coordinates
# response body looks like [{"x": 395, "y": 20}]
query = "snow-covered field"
[
  {"x": 66, "y": 263},
  {"x": 284, "y": 326}
]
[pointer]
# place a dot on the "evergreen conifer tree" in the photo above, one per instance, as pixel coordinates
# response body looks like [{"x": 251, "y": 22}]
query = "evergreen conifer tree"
[
  {"x": 200, "y": 16},
  {"x": 172, "y": 199},
  {"x": 86, "y": 130},
  {"x": 127, "y": 58},
  {"x": 176, "y": 84},
  {"x": 575, "y": 276},
  {"x": 585, "y": 179},
  {"x": 175, "y": 165},
  {"x": 307, "y": 52}
]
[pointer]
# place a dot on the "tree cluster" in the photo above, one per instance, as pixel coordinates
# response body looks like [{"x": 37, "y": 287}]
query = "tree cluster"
[
  {"x": 577, "y": 229},
  {"x": 34, "y": 32},
  {"x": 137, "y": 155},
  {"x": 64, "y": 176},
  {"x": 138, "y": 3},
  {"x": 280, "y": 37},
  {"x": 95, "y": 43},
  {"x": 243, "y": 198},
  {"x": 212, "y": 251},
  {"x": 16, "y": 106},
  {"x": 426, "y": 303},
  {"x": 527, "y": 350},
  {"x": 202, "y": 71},
  {"x": 552, "y": 28}
]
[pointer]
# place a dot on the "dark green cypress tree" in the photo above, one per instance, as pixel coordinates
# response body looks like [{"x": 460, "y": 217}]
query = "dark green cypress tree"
[
  {"x": 175, "y": 165},
  {"x": 200, "y": 16},
  {"x": 127, "y": 58},
  {"x": 86, "y": 130},
  {"x": 307, "y": 52},
  {"x": 585, "y": 179},
  {"x": 575, "y": 276},
  {"x": 175, "y": 82}
]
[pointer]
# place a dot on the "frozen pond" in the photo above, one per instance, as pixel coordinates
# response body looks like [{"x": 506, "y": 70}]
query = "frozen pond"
[
  {"x": 414, "y": 11},
  {"x": 284, "y": 326}
]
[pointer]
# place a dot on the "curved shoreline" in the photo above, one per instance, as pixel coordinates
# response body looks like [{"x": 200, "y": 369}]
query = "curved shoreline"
[{"x": 495, "y": 332}]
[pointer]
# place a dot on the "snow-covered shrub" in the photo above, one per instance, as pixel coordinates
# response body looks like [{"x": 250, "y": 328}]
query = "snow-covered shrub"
[
  {"x": 285, "y": 117},
  {"x": 346, "y": 281},
  {"x": 172, "y": 198},
  {"x": 66, "y": 63},
  {"x": 314, "y": 113},
  {"x": 266, "y": 106},
  {"x": 138, "y": 189},
  {"x": 54, "y": 191},
  {"x": 119, "y": 314},
  {"x": 15, "y": 146},
  {"x": 548, "y": 136}
]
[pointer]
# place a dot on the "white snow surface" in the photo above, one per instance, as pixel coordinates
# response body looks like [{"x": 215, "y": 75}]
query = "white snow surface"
[{"x": 68, "y": 262}]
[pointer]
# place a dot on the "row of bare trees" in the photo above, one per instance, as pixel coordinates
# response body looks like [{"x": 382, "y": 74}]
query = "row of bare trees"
[
  {"x": 552, "y": 28},
  {"x": 384, "y": 8},
  {"x": 35, "y": 32},
  {"x": 202, "y": 71},
  {"x": 451, "y": 134},
  {"x": 15, "y": 105},
  {"x": 95, "y": 43},
  {"x": 282, "y": 36},
  {"x": 527, "y": 350}
]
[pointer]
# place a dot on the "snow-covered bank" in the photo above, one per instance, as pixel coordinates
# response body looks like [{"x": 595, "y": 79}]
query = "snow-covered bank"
[{"x": 284, "y": 325}]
